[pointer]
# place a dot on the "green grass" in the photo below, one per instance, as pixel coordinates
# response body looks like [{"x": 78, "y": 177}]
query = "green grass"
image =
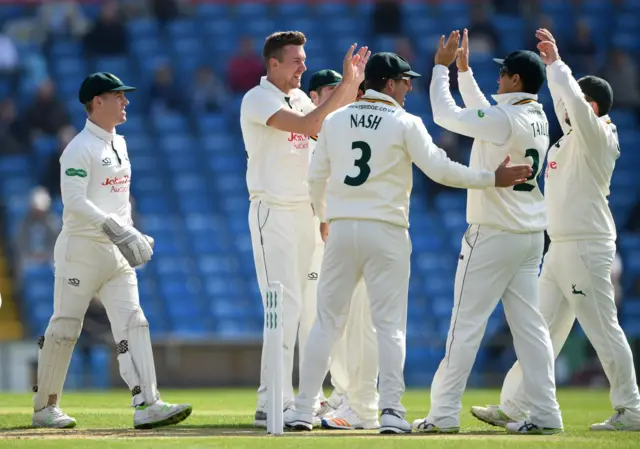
[{"x": 222, "y": 419}]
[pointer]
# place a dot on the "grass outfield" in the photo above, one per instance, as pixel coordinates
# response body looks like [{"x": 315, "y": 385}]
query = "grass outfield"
[{"x": 222, "y": 419}]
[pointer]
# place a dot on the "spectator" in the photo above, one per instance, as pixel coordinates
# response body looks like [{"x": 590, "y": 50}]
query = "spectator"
[
  {"x": 485, "y": 39},
  {"x": 209, "y": 93},
  {"x": 108, "y": 37},
  {"x": 621, "y": 72},
  {"x": 9, "y": 60},
  {"x": 387, "y": 18},
  {"x": 582, "y": 49},
  {"x": 51, "y": 176},
  {"x": 37, "y": 232},
  {"x": 13, "y": 135},
  {"x": 62, "y": 18},
  {"x": 47, "y": 114},
  {"x": 165, "y": 10},
  {"x": 245, "y": 69},
  {"x": 165, "y": 95}
]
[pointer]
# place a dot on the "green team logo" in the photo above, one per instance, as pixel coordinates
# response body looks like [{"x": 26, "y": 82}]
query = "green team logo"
[
  {"x": 480, "y": 113},
  {"x": 80, "y": 173}
]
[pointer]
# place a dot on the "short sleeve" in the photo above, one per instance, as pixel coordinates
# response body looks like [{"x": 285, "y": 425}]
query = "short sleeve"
[{"x": 259, "y": 105}]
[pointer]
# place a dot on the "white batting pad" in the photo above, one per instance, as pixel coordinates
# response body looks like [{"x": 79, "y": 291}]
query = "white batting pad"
[
  {"x": 56, "y": 348},
  {"x": 141, "y": 354},
  {"x": 129, "y": 373},
  {"x": 275, "y": 357}
]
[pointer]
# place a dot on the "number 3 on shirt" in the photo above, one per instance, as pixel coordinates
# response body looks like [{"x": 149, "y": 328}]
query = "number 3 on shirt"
[
  {"x": 362, "y": 163},
  {"x": 535, "y": 155}
]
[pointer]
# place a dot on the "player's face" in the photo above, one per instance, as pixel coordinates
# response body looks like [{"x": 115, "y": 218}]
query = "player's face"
[
  {"x": 292, "y": 66},
  {"x": 506, "y": 81},
  {"x": 324, "y": 93},
  {"x": 401, "y": 87},
  {"x": 113, "y": 107}
]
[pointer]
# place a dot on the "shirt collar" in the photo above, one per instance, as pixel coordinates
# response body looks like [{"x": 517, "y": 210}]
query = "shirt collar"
[
  {"x": 374, "y": 94},
  {"x": 99, "y": 132},
  {"x": 514, "y": 97},
  {"x": 264, "y": 82},
  {"x": 605, "y": 118}
]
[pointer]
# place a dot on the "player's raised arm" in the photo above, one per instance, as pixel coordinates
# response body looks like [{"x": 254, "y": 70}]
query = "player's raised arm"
[
  {"x": 353, "y": 70},
  {"x": 435, "y": 163},
  {"x": 319, "y": 172},
  {"x": 469, "y": 89},
  {"x": 75, "y": 173},
  {"x": 490, "y": 124},
  {"x": 580, "y": 107}
]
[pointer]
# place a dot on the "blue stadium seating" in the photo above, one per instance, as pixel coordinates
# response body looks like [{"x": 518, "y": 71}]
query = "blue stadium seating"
[{"x": 188, "y": 170}]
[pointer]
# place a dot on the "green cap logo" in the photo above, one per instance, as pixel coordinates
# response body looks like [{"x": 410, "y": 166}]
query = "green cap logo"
[
  {"x": 480, "y": 113},
  {"x": 76, "y": 172}
]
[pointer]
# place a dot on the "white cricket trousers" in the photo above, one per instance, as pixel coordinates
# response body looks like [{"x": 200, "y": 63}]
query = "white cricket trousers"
[
  {"x": 84, "y": 268},
  {"x": 496, "y": 264},
  {"x": 576, "y": 283},
  {"x": 380, "y": 253},
  {"x": 354, "y": 358},
  {"x": 283, "y": 243}
]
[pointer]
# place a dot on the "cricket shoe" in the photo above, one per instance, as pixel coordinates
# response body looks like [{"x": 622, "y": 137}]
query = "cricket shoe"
[
  {"x": 160, "y": 414},
  {"x": 52, "y": 417},
  {"x": 294, "y": 420},
  {"x": 529, "y": 428},
  {"x": 426, "y": 426},
  {"x": 392, "y": 421},
  {"x": 260, "y": 418},
  {"x": 491, "y": 414},
  {"x": 348, "y": 419},
  {"x": 619, "y": 421}
]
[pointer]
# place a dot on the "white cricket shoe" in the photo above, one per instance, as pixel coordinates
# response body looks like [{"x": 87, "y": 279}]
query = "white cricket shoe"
[
  {"x": 529, "y": 428},
  {"x": 618, "y": 421},
  {"x": 160, "y": 414},
  {"x": 392, "y": 421},
  {"x": 491, "y": 414},
  {"x": 425, "y": 426},
  {"x": 294, "y": 420},
  {"x": 52, "y": 417},
  {"x": 348, "y": 419}
]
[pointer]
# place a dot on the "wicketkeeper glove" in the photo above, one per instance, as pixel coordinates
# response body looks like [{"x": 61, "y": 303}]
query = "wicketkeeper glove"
[{"x": 133, "y": 245}]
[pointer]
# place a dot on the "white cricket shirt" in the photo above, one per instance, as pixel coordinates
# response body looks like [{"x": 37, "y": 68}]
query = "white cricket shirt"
[
  {"x": 517, "y": 126},
  {"x": 316, "y": 220},
  {"x": 95, "y": 175},
  {"x": 362, "y": 164},
  {"x": 278, "y": 161},
  {"x": 580, "y": 164}
]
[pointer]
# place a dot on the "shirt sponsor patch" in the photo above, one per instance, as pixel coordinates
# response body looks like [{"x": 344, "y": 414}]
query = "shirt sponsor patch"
[{"x": 76, "y": 172}]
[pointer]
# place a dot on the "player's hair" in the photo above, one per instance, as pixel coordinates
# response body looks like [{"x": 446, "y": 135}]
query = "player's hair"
[
  {"x": 376, "y": 84},
  {"x": 530, "y": 86},
  {"x": 275, "y": 43}
]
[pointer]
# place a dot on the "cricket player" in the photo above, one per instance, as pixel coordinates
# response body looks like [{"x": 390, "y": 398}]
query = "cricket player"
[
  {"x": 95, "y": 254},
  {"x": 502, "y": 248},
  {"x": 362, "y": 168},
  {"x": 277, "y": 119},
  {"x": 576, "y": 274},
  {"x": 353, "y": 404}
]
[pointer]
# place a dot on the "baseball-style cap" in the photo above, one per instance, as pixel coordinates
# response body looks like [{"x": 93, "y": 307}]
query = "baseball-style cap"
[
  {"x": 599, "y": 90},
  {"x": 527, "y": 64},
  {"x": 100, "y": 83},
  {"x": 387, "y": 65},
  {"x": 324, "y": 78}
]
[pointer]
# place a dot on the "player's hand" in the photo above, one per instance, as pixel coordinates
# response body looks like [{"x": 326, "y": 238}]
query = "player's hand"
[
  {"x": 364, "y": 53},
  {"x": 351, "y": 63},
  {"x": 509, "y": 175},
  {"x": 324, "y": 231},
  {"x": 133, "y": 245},
  {"x": 547, "y": 46},
  {"x": 462, "y": 54},
  {"x": 446, "y": 53}
]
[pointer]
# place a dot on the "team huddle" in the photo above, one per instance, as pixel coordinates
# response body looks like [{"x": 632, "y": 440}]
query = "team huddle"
[{"x": 329, "y": 180}]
